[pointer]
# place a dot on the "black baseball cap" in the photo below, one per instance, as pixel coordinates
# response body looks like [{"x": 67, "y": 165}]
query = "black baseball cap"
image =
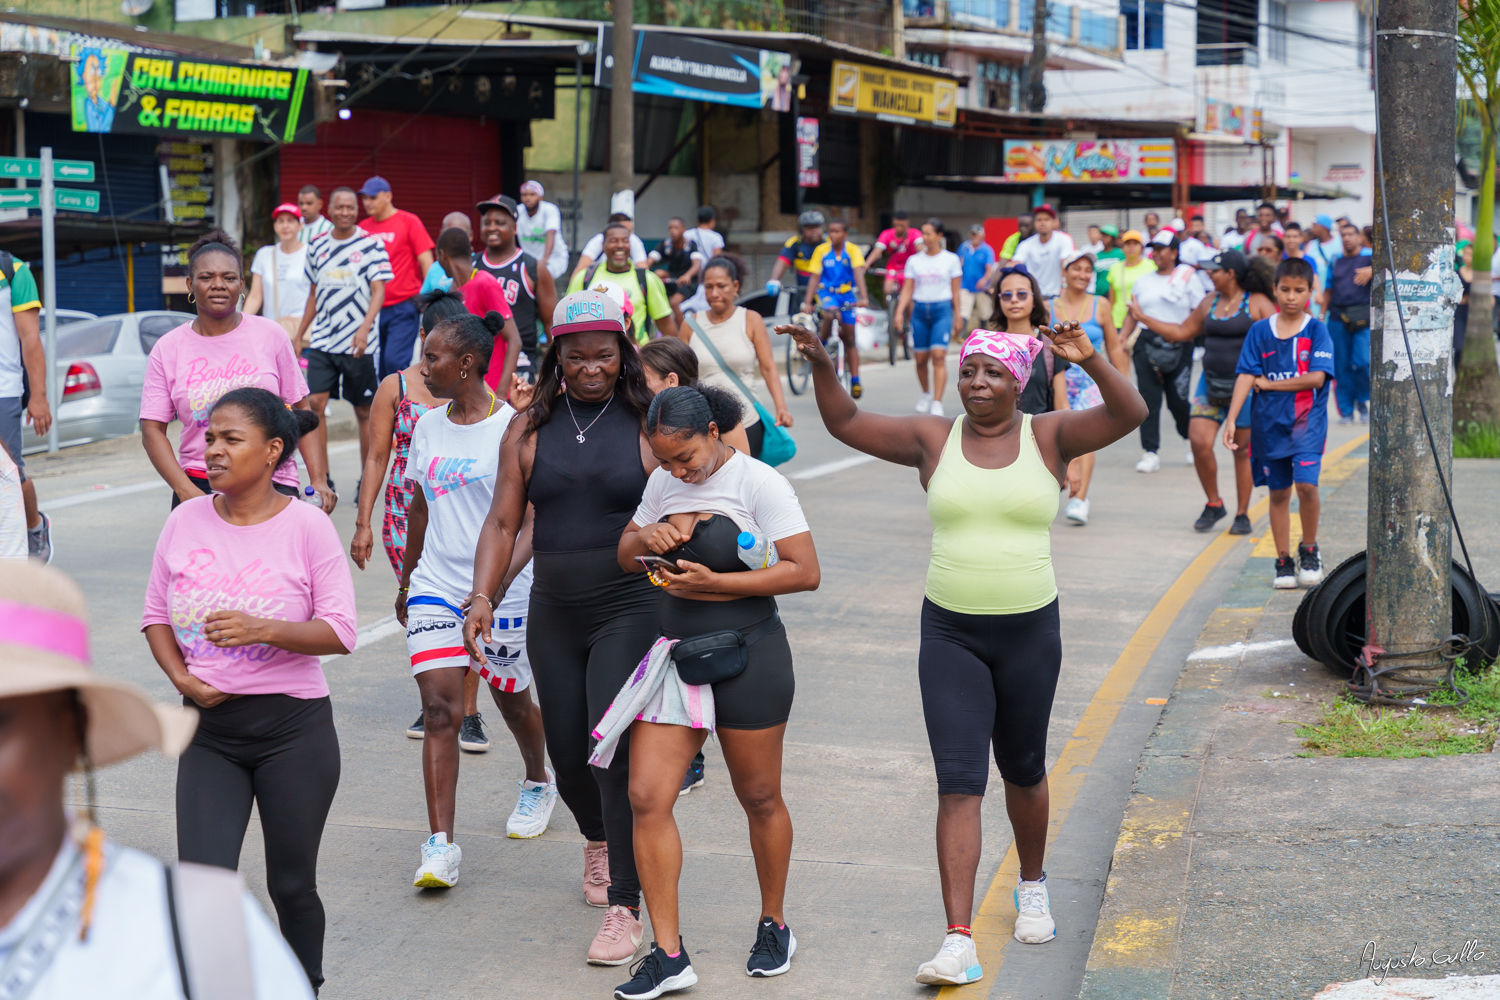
[{"x": 501, "y": 201}]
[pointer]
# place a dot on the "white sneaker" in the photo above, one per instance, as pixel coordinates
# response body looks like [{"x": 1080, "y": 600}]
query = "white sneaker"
[
  {"x": 440, "y": 861},
  {"x": 1078, "y": 511},
  {"x": 1148, "y": 463},
  {"x": 955, "y": 963},
  {"x": 1034, "y": 923},
  {"x": 937, "y": 408},
  {"x": 1187, "y": 454},
  {"x": 924, "y": 401},
  {"x": 533, "y": 809}
]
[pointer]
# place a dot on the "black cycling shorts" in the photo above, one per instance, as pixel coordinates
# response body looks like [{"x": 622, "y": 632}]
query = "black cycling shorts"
[
  {"x": 761, "y": 695},
  {"x": 342, "y": 376}
]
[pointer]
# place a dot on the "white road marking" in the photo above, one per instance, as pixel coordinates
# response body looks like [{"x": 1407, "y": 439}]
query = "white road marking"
[
  {"x": 828, "y": 468},
  {"x": 372, "y": 633},
  {"x": 1450, "y": 988},
  {"x": 1236, "y": 649}
]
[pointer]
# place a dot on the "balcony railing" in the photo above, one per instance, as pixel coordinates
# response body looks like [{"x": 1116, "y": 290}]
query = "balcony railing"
[
  {"x": 1228, "y": 54},
  {"x": 1065, "y": 23}
]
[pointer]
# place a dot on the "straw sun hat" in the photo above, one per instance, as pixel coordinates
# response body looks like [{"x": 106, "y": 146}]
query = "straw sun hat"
[{"x": 44, "y": 646}]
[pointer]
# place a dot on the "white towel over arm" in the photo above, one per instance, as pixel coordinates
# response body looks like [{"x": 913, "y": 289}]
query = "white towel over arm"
[{"x": 653, "y": 693}]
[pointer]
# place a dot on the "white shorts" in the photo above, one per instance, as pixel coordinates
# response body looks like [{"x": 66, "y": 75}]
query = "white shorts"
[{"x": 435, "y": 638}]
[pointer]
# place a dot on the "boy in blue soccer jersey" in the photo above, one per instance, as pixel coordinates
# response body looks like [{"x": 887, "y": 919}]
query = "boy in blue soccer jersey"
[{"x": 1287, "y": 360}]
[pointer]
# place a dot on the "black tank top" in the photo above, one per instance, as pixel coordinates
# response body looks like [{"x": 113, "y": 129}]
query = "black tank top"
[
  {"x": 515, "y": 277},
  {"x": 1223, "y": 338},
  {"x": 714, "y": 543},
  {"x": 585, "y": 494}
]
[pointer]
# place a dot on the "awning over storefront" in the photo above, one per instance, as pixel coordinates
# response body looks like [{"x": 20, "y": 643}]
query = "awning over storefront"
[
  {"x": 1129, "y": 195},
  {"x": 23, "y": 237}
]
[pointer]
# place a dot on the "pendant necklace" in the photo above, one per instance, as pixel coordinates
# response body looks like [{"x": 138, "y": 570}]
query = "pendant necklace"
[{"x": 582, "y": 430}]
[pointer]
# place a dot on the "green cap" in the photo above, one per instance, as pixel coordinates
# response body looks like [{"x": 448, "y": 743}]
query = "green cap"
[{"x": 1110, "y": 231}]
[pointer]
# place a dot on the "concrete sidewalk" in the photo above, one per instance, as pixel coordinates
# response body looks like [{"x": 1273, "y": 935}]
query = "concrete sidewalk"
[{"x": 1247, "y": 867}]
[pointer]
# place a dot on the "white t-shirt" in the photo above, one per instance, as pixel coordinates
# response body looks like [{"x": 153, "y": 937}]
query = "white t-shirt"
[
  {"x": 595, "y": 246},
  {"x": 13, "y": 543},
  {"x": 1170, "y": 298},
  {"x": 1094, "y": 248},
  {"x": 749, "y": 492},
  {"x": 1233, "y": 240},
  {"x": 531, "y": 230},
  {"x": 933, "y": 274},
  {"x": 1044, "y": 260},
  {"x": 1192, "y": 252},
  {"x": 708, "y": 241},
  {"x": 455, "y": 466},
  {"x": 290, "y": 278}
]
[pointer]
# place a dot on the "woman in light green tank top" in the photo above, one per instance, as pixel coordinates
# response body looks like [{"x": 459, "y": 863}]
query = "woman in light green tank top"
[{"x": 991, "y": 649}]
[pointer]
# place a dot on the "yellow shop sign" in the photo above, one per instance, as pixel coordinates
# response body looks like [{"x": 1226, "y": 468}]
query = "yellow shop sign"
[{"x": 894, "y": 95}]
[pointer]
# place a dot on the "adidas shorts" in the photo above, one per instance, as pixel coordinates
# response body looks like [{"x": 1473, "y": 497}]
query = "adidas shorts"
[{"x": 435, "y": 638}]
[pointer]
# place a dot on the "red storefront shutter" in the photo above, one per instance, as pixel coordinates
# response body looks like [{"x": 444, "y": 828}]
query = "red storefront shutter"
[{"x": 436, "y": 165}]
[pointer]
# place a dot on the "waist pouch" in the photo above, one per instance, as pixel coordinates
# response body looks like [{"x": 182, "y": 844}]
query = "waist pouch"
[
  {"x": 1220, "y": 388},
  {"x": 718, "y": 656},
  {"x": 1163, "y": 355},
  {"x": 1354, "y": 317}
]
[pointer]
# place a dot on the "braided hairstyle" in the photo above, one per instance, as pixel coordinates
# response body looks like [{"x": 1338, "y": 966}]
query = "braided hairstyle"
[
  {"x": 270, "y": 413},
  {"x": 688, "y": 411}
]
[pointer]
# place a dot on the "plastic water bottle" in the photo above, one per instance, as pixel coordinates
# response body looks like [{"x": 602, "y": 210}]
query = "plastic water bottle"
[
  {"x": 756, "y": 552},
  {"x": 311, "y": 496}
]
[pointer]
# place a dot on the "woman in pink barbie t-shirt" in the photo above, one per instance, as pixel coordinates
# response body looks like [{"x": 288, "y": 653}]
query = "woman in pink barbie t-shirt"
[
  {"x": 248, "y": 589},
  {"x": 191, "y": 367}
]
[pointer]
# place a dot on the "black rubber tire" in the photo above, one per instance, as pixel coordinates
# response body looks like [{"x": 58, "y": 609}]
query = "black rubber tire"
[{"x": 1299, "y": 624}]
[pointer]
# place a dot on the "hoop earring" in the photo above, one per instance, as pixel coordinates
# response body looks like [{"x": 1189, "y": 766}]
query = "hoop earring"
[
  {"x": 191, "y": 300},
  {"x": 464, "y": 373}
]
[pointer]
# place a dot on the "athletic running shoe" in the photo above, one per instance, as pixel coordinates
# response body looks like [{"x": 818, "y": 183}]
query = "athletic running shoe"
[
  {"x": 1187, "y": 454},
  {"x": 1148, "y": 463},
  {"x": 1286, "y": 573},
  {"x": 1362, "y": 412},
  {"x": 533, "y": 809},
  {"x": 596, "y": 875},
  {"x": 1309, "y": 564},
  {"x": 924, "y": 402},
  {"x": 440, "y": 861},
  {"x": 1241, "y": 525},
  {"x": 417, "y": 730},
  {"x": 955, "y": 963},
  {"x": 936, "y": 409},
  {"x": 471, "y": 734},
  {"x": 855, "y": 389},
  {"x": 1212, "y": 514},
  {"x": 1077, "y": 511},
  {"x": 619, "y": 937},
  {"x": 694, "y": 776},
  {"x": 658, "y": 973},
  {"x": 1344, "y": 418},
  {"x": 39, "y": 540},
  {"x": 773, "y": 951},
  {"x": 1034, "y": 923}
]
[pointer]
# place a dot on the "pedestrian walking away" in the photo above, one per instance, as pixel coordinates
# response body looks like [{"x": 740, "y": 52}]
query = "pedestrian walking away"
[
  {"x": 1159, "y": 301},
  {"x": 482, "y": 294},
  {"x": 194, "y": 365},
  {"x": 739, "y": 337},
  {"x": 23, "y": 358},
  {"x": 696, "y": 514},
  {"x": 1043, "y": 251},
  {"x": 666, "y": 362},
  {"x": 836, "y": 284},
  {"x": 539, "y": 228},
  {"x": 409, "y": 250},
  {"x": 1348, "y": 312},
  {"x": 1020, "y": 309},
  {"x": 647, "y": 294},
  {"x": 454, "y": 458},
  {"x": 265, "y": 731},
  {"x": 1078, "y": 304},
  {"x": 1243, "y": 295},
  {"x": 1286, "y": 362},
  {"x": 278, "y": 275},
  {"x": 580, "y": 459},
  {"x": 528, "y": 287},
  {"x": 932, "y": 294},
  {"x": 897, "y": 244},
  {"x": 80, "y": 915},
  {"x": 990, "y": 649}
]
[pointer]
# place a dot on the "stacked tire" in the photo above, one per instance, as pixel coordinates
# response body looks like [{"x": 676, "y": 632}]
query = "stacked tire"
[{"x": 1329, "y": 625}]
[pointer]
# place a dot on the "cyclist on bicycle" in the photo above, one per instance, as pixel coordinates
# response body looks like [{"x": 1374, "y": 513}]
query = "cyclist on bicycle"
[
  {"x": 837, "y": 285},
  {"x": 797, "y": 253},
  {"x": 897, "y": 244}
]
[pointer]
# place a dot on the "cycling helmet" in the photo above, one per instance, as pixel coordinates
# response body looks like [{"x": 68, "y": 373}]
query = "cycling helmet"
[{"x": 811, "y": 218}]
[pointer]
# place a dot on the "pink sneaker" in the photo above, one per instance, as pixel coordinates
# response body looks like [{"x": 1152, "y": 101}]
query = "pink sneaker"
[
  {"x": 618, "y": 939},
  {"x": 596, "y": 875}
]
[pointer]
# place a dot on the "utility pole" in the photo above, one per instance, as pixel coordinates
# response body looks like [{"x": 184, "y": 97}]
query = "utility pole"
[
  {"x": 1409, "y": 596},
  {"x": 53, "y": 388},
  {"x": 622, "y": 106},
  {"x": 1036, "y": 88},
  {"x": 898, "y": 29}
]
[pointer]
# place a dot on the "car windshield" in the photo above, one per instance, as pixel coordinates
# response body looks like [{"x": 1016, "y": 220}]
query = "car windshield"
[
  {"x": 78, "y": 340},
  {"x": 153, "y": 328}
]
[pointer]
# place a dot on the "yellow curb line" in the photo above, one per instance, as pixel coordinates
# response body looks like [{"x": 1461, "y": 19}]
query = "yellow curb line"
[{"x": 997, "y": 912}]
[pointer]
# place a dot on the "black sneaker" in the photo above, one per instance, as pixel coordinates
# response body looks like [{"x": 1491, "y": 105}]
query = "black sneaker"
[
  {"x": 658, "y": 973},
  {"x": 417, "y": 730},
  {"x": 1309, "y": 564},
  {"x": 694, "y": 776},
  {"x": 471, "y": 734},
  {"x": 331, "y": 488},
  {"x": 773, "y": 951},
  {"x": 1212, "y": 514},
  {"x": 1241, "y": 525},
  {"x": 1286, "y": 573}
]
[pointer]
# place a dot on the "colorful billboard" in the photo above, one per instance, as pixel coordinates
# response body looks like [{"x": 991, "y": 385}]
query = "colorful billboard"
[
  {"x": 677, "y": 65},
  {"x": 1229, "y": 119},
  {"x": 894, "y": 95},
  {"x": 1093, "y": 161}
]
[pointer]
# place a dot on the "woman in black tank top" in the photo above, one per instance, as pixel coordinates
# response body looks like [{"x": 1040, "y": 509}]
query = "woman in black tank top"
[
  {"x": 578, "y": 461},
  {"x": 1244, "y": 297}
]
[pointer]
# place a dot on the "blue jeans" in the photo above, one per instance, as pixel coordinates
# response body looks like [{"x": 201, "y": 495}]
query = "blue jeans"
[
  {"x": 399, "y": 325},
  {"x": 1351, "y": 364},
  {"x": 931, "y": 325}
]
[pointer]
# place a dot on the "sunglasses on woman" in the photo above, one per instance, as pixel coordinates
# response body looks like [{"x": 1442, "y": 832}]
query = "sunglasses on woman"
[{"x": 1019, "y": 296}]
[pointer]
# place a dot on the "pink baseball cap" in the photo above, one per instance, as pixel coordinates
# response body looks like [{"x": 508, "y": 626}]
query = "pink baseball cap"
[
  {"x": 587, "y": 310},
  {"x": 286, "y": 208}
]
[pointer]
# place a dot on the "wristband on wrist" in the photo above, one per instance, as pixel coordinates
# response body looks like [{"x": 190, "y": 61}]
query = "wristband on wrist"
[
  {"x": 484, "y": 597},
  {"x": 402, "y": 590}
]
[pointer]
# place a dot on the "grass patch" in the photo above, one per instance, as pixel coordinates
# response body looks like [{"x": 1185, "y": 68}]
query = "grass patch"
[
  {"x": 1474, "y": 440},
  {"x": 1349, "y": 728}
]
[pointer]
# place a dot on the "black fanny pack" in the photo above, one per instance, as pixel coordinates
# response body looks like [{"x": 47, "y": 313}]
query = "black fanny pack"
[
  {"x": 1354, "y": 318},
  {"x": 1220, "y": 388},
  {"x": 718, "y": 656},
  {"x": 1162, "y": 354}
]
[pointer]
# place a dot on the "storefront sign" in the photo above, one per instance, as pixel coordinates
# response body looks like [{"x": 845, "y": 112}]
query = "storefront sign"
[
  {"x": 119, "y": 91},
  {"x": 1097, "y": 161},
  {"x": 1217, "y": 117},
  {"x": 677, "y": 65},
  {"x": 894, "y": 95},
  {"x": 808, "y": 175}
]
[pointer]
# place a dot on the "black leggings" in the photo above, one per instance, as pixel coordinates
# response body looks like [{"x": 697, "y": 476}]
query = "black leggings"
[
  {"x": 589, "y": 627},
  {"x": 1175, "y": 386},
  {"x": 761, "y": 696},
  {"x": 988, "y": 678},
  {"x": 282, "y": 753}
]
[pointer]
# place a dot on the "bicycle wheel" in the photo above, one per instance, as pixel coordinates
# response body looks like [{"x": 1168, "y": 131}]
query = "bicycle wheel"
[
  {"x": 840, "y": 363},
  {"x": 798, "y": 369},
  {"x": 890, "y": 327}
]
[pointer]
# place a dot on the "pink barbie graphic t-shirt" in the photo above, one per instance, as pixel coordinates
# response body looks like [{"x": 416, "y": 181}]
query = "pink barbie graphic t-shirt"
[
  {"x": 187, "y": 374},
  {"x": 291, "y": 568}
]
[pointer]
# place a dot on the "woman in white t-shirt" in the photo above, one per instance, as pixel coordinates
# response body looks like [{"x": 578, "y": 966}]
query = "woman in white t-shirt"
[
  {"x": 934, "y": 279},
  {"x": 539, "y": 229},
  {"x": 1159, "y": 302},
  {"x": 452, "y": 462},
  {"x": 722, "y": 493},
  {"x": 278, "y": 275}
]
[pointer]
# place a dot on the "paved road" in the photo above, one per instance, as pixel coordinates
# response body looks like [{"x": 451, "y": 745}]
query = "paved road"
[{"x": 863, "y": 895}]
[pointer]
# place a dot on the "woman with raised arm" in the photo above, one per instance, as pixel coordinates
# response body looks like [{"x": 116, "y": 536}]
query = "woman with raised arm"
[{"x": 991, "y": 649}]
